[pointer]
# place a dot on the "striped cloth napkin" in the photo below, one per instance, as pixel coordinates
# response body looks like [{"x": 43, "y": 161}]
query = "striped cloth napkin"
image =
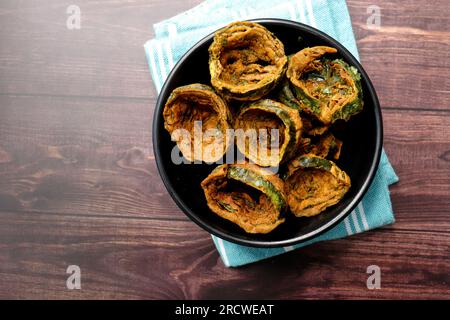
[{"x": 174, "y": 36}]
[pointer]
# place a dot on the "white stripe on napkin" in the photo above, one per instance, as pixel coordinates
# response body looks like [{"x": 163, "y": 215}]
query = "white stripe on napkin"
[
  {"x": 169, "y": 54},
  {"x": 363, "y": 216},
  {"x": 355, "y": 221},
  {"x": 172, "y": 30},
  {"x": 300, "y": 7},
  {"x": 348, "y": 228},
  {"x": 161, "y": 60},
  {"x": 288, "y": 248},
  {"x": 291, "y": 11},
  {"x": 243, "y": 13},
  {"x": 235, "y": 15},
  {"x": 311, "y": 13},
  {"x": 152, "y": 59}
]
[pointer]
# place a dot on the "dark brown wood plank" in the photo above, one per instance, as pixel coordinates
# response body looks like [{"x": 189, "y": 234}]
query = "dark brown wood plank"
[
  {"x": 426, "y": 15},
  {"x": 80, "y": 156},
  {"x": 128, "y": 258}
]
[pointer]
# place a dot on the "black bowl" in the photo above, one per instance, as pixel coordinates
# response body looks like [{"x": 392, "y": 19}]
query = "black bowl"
[{"x": 360, "y": 156}]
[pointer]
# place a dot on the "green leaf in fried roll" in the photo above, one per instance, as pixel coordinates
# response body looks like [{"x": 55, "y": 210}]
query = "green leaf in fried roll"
[
  {"x": 313, "y": 184},
  {"x": 247, "y": 195},
  {"x": 276, "y": 132}
]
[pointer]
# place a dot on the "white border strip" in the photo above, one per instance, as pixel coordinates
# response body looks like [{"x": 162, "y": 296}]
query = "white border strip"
[
  {"x": 243, "y": 14},
  {"x": 161, "y": 60},
  {"x": 288, "y": 248},
  {"x": 291, "y": 10},
  {"x": 311, "y": 13},
  {"x": 169, "y": 54},
  {"x": 300, "y": 7},
  {"x": 363, "y": 216},
  {"x": 235, "y": 15},
  {"x": 151, "y": 55},
  {"x": 172, "y": 31},
  {"x": 348, "y": 227}
]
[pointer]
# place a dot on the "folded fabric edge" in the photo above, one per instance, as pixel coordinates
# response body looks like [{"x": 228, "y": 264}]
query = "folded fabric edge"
[{"x": 218, "y": 242}]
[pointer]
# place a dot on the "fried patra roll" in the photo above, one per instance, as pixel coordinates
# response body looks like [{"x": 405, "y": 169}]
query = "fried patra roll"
[
  {"x": 327, "y": 89},
  {"x": 267, "y": 132},
  {"x": 313, "y": 184},
  {"x": 311, "y": 126},
  {"x": 246, "y": 61},
  {"x": 249, "y": 196},
  {"x": 197, "y": 119}
]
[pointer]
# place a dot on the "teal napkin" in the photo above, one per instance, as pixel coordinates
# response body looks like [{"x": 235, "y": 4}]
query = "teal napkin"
[{"x": 174, "y": 36}]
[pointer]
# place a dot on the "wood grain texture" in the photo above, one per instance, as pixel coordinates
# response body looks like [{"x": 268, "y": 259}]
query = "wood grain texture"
[
  {"x": 87, "y": 166},
  {"x": 92, "y": 61},
  {"x": 135, "y": 258},
  {"x": 408, "y": 57},
  {"x": 79, "y": 184}
]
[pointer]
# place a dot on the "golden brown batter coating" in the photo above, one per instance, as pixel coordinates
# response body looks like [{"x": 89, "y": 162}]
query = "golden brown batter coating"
[
  {"x": 262, "y": 117},
  {"x": 247, "y": 195},
  {"x": 198, "y": 102},
  {"x": 246, "y": 61},
  {"x": 314, "y": 184}
]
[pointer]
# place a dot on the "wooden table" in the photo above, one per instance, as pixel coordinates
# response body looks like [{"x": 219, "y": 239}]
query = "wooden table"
[{"x": 79, "y": 184}]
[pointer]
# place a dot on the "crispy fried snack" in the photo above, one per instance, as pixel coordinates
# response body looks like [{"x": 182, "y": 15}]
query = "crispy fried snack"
[
  {"x": 186, "y": 106},
  {"x": 247, "y": 195},
  {"x": 326, "y": 89},
  {"x": 314, "y": 184},
  {"x": 246, "y": 61},
  {"x": 276, "y": 131},
  {"x": 311, "y": 126}
]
